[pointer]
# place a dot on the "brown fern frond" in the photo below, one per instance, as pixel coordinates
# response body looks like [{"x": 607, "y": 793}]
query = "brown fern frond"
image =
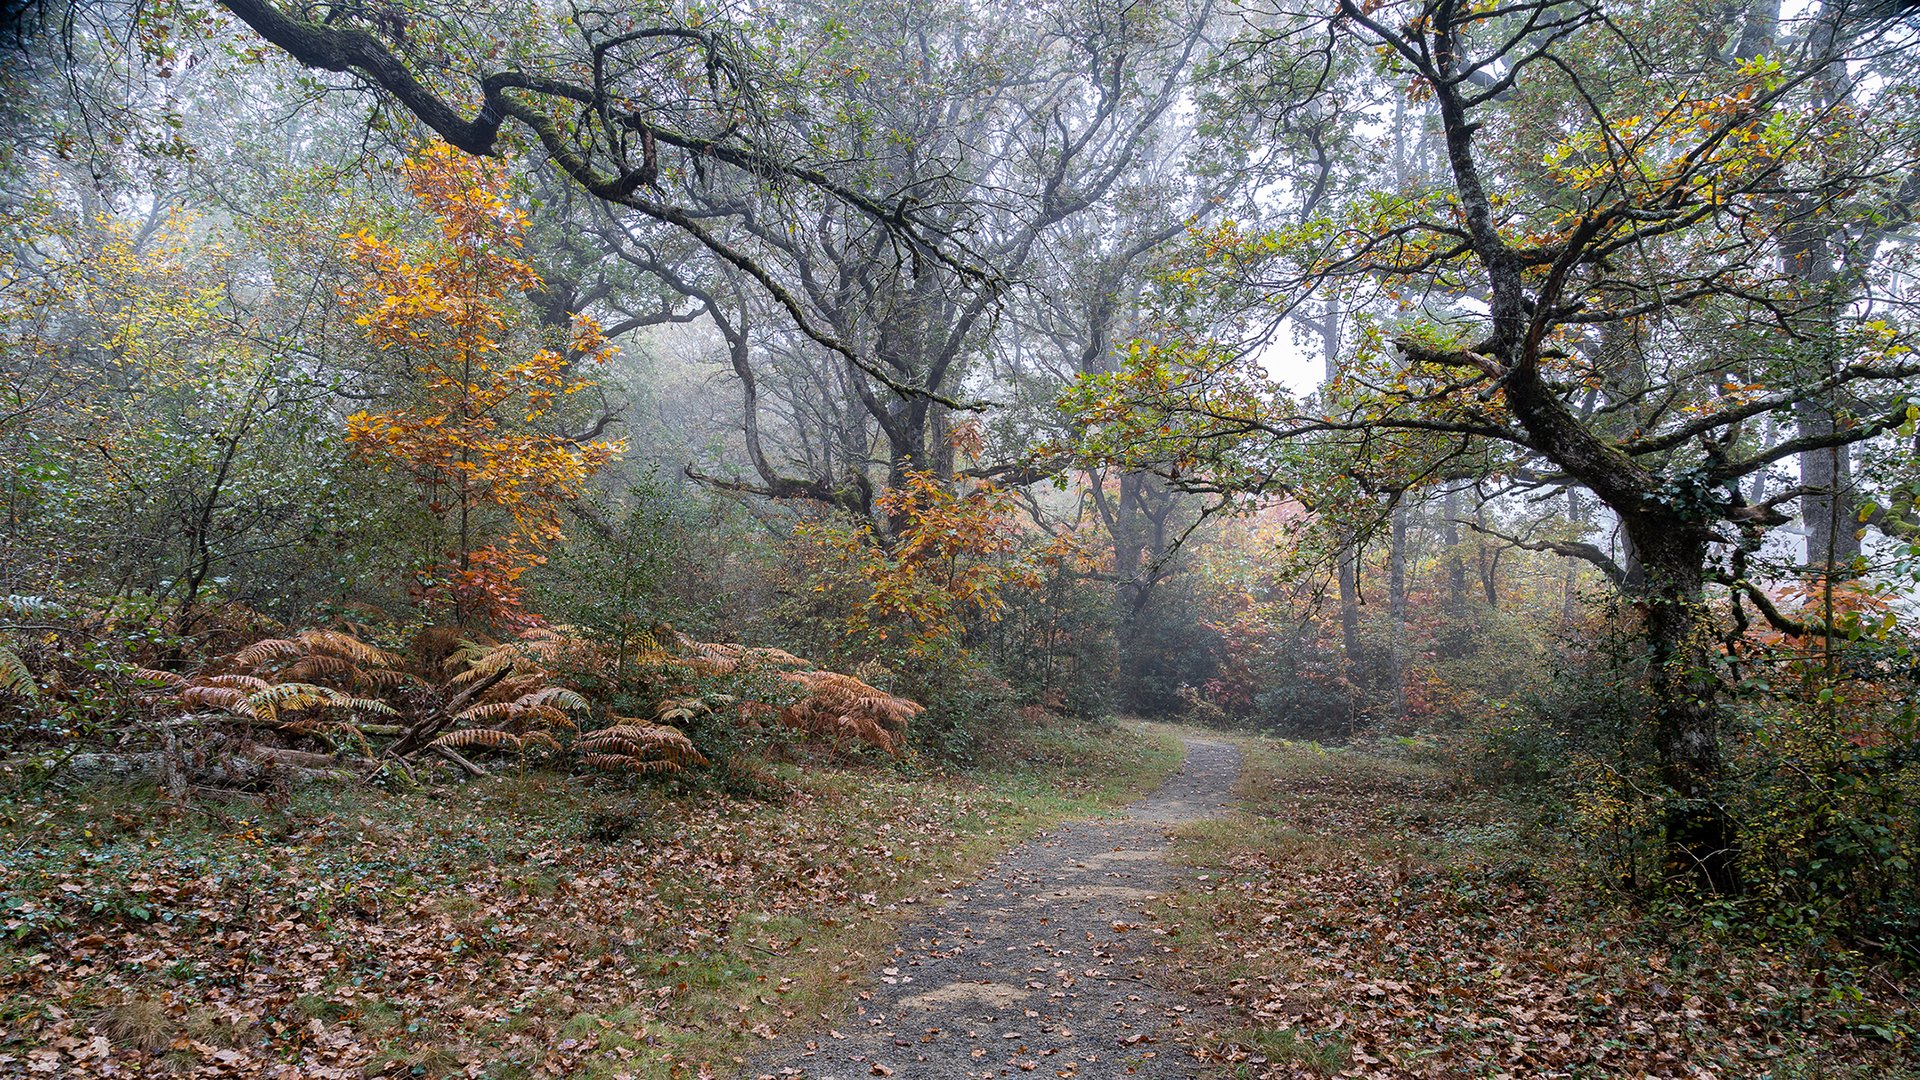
[
  {"x": 614, "y": 744},
  {"x": 648, "y": 654},
  {"x": 515, "y": 687},
  {"x": 317, "y": 666},
  {"x": 267, "y": 650},
  {"x": 291, "y": 697},
  {"x": 482, "y": 665},
  {"x": 484, "y": 738},
  {"x": 546, "y": 717},
  {"x": 719, "y": 665},
  {"x": 387, "y": 678},
  {"x": 170, "y": 679},
  {"x": 725, "y": 657},
  {"x": 641, "y": 739},
  {"x": 842, "y": 727},
  {"x": 556, "y": 696},
  {"x": 216, "y": 697},
  {"x": 683, "y": 708},
  {"x": 249, "y": 683},
  {"x": 540, "y": 739},
  {"x": 466, "y": 648},
  {"x": 491, "y": 713},
  {"x": 840, "y": 707},
  {"x": 781, "y": 658},
  {"x": 369, "y": 705},
  {"x": 620, "y": 763},
  {"x": 346, "y": 647}
]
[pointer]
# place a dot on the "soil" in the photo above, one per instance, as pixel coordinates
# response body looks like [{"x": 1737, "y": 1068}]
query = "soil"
[{"x": 1042, "y": 966}]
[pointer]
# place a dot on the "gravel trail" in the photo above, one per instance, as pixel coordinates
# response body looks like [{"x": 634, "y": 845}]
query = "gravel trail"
[{"x": 1040, "y": 968}]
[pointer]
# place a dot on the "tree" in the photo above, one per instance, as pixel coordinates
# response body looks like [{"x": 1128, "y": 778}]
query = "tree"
[
  {"x": 1007, "y": 127},
  {"x": 622, "y": 103},
  {"x": 484, "y": 379},
  {"x": 1600, "y": 291},
  {"x": 947, "y": 568}
]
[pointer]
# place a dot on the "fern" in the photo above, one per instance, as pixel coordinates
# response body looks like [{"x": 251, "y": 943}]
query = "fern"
[
  {"x": 484, "y": 665},
  {"x": 301, "y": 682},
  {"x": 685, "y": 708},
  {"x": 324, "y": 667},
  {"x": 345, "y": 647},
  {"x": 249, "y": 683},
  {"x": 622, "y": 763},
  {"x": 835, "y": 707},
  {"x": 171, "y": 680},
  {"x": 268, "y": 650},
  {"x": 557, "y": 696},
  {"x": 323, "y": 654},
  {"x": 483, "y": 738},
  {"x": 490, "y": 713},
  {"x": 517, "y": 713},
  {"x": 388, "y": 678},
  {"x": 840, "y": 707},
  {"x": 546, "y": 716},
  {"x": 513, "y": 686},
  {"x": 268, "y": 704},
  {"x": 229, "y": 698},
  {"x": 639, "y": 739},
  {"x": 15, "y": 679}
]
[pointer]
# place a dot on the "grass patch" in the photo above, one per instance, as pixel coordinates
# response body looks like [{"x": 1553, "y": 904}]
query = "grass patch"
[{"x": 535, "y": 925}]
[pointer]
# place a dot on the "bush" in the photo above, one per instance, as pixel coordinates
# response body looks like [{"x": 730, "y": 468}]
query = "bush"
[
  {"x": 1826, "y": 791},
  {"x": 1055, "y": 644},
  {"x": 968, "y": 707},
  {"x": 1821, "y": 780}
]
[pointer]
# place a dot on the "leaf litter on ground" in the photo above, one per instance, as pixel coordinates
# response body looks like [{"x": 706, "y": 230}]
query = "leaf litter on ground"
[{"x": 522, "y": 927}]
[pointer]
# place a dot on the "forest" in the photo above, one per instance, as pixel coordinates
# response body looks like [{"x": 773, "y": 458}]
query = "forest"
[{"x": 960, "y": 538}]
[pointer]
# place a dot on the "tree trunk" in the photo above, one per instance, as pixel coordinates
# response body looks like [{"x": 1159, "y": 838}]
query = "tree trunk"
[
  {"x": 1570, "y": 587},
  {"x": 1684, "y": 683},
  {"x": 1348, "y": 572},
  {"x": 1397, "y": 608},
  {"x": 1812, "y": 250},
  {"x": 1456, "y": 565},
  {"x": 1347, "y": 560},
  {"x": 1829, "y": 513}
]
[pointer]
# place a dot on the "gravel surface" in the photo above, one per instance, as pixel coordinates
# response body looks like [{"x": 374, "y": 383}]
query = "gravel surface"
[{"x": 1041, "y": 967}]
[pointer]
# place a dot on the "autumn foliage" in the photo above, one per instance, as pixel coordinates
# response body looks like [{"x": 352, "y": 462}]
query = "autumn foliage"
[
  {"x": 477, "y": 435},
  {"x": 953, "y": 553},
  {"x": 540, "y": 692}
]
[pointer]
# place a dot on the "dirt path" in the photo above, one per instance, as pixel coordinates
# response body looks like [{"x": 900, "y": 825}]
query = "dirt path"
[{"x": 1041, "y": 966}]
